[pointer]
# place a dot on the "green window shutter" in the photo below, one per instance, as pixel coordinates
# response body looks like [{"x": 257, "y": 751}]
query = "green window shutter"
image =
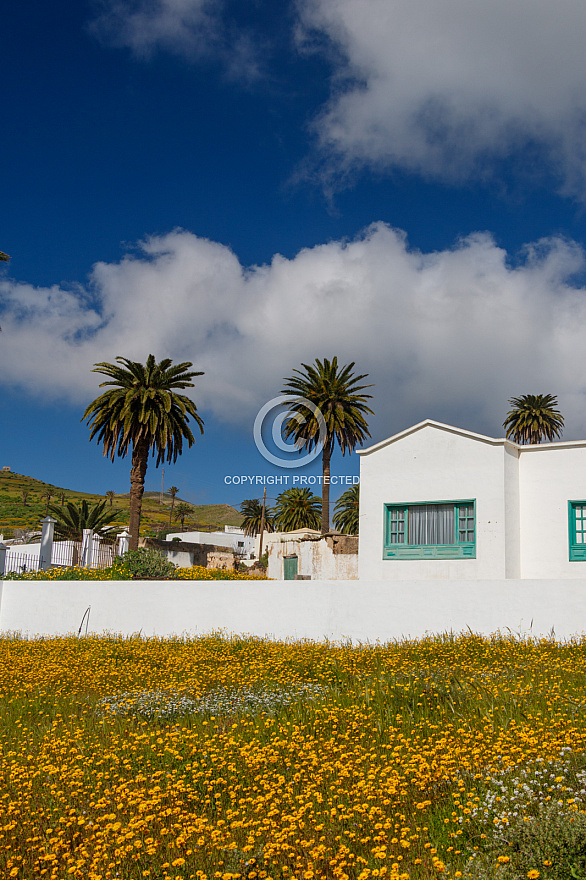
[
  {"x": 397, "y": 525},
  {"x": 465, "y": 519},
  {"x": 577, "y": 530}
]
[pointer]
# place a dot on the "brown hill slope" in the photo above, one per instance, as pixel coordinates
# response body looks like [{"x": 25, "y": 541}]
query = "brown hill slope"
[{"x": 24, "y": 500}]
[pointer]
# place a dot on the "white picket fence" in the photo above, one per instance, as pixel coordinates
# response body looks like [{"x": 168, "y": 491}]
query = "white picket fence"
[{"x": 91, "y": 551}]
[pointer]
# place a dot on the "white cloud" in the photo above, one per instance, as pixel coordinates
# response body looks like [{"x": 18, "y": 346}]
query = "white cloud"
[
  {"x": 446, "y": 88},
  {"x": 187, "y": 27},
  {"x": 197, "y": 30},
  {"x": 449, "y": 335}
]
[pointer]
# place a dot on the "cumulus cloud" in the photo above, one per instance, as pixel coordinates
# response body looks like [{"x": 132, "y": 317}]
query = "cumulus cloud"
[
  {"x": 445, "y": 89},
  {"x": 449, "y": 335}
]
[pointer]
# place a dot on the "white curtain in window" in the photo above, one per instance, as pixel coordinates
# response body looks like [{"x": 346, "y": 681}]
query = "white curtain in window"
[{"x": 431, "y": 524}]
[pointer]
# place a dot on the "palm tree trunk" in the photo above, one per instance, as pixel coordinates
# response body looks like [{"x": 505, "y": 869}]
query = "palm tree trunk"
[
  {"x": 325, "y": 489},
  {"x": 140, "y": 455},
  {"x": 172, "y": 505}
]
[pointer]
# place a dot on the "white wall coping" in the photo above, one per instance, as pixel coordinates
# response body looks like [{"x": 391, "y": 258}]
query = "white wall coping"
[{"x": 295, "y": 535}]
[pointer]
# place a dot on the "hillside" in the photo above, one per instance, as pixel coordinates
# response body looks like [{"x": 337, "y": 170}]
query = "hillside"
[{"x": 23, "y": 504}]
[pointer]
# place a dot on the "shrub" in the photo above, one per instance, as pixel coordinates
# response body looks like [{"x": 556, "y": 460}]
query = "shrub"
[
  {"x": 144, "y": 562},
  {"x": 550, "y": 844}
]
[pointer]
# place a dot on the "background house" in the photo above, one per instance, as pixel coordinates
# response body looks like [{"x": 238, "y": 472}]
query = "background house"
[
  {"x": 304, "y": 553},
  {"x": 185, "y": 554},
  {"x": 438, "y": 502},
  {"x": 233, "y": 538}
]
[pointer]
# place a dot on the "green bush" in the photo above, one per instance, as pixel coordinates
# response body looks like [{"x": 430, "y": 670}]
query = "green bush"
[
  {"x": 144, "y": 562},
  {"x": 550, "y": 845}
]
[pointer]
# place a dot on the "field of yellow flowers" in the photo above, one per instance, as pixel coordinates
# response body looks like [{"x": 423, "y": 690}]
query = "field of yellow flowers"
[
  {"x": 221, "y": 758},
  {"x": 117, "y": 572}
]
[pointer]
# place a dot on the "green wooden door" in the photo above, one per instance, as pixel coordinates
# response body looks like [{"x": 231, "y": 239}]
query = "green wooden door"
[{"x": 290, "y": 567}]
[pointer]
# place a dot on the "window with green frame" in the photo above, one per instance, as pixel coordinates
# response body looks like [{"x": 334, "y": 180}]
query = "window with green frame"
[
  {"x": 577, "y": 530},
  {"x": 432, "y": 530}
]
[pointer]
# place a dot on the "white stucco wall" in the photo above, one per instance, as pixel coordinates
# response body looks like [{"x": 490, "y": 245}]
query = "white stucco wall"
[
  {"x": 550, "y": 475},
  {"x": 431, "y": 464},
  {"x": 180, "y": 558},
  {"x": 512, "y": 510},
  {"x": 271, "y": 544},
  {"x": 337, "y": 610},
  {"x": 316, "y": 560}
]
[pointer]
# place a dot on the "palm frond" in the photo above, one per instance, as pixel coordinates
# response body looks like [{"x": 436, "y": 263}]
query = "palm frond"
[
  {"x": 251, "y": 509},
  {"x": 297, "y": 509},
  {"x": 72, "y": 519},
  {"x": 533, "y": 418},
  {"x": 337, "y": 395},
  {"x": 346, "y": 511}
]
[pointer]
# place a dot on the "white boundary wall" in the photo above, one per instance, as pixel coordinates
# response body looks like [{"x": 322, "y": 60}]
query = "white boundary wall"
[{"x": 364, "y": 611}]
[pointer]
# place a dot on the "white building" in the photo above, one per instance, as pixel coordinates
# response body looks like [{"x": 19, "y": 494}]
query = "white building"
[
  {"x": 438, "y": 502},
  {"x": 232, "y": 538},
  {"x": 304, "y": 553}
]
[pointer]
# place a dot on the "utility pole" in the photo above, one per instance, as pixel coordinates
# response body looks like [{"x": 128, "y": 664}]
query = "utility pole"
[
  {"x": 262, "y": 522},
  {"x": 162, "y": 487}
]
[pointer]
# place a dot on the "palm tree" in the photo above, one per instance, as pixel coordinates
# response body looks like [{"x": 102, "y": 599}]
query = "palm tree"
[
  {"x": 533, "y": 418},
  {"x": 144, "y": 411},
  {"x": 172, "y": 492},
  {"x": 336, "y": 394},
  {"x": 47, "y": 496},
  {"x": 72, "y": 519},
  {"x": 297, "y": 509},
  {"x": 346, "y": 511},
  {"x": 181, "y": 511},
  {"x": 111, "y": 495},
  {"x": 252, "y": 513}
]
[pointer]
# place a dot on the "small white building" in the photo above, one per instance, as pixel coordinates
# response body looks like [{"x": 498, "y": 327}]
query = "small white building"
[
  {"x": 306, "y": 554},
  {"x": 232, "y": 538},
  {"x": 438, "y": 502}
]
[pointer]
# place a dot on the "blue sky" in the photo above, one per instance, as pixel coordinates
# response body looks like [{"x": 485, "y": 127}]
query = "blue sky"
[{"x": 251, "y": 185}]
